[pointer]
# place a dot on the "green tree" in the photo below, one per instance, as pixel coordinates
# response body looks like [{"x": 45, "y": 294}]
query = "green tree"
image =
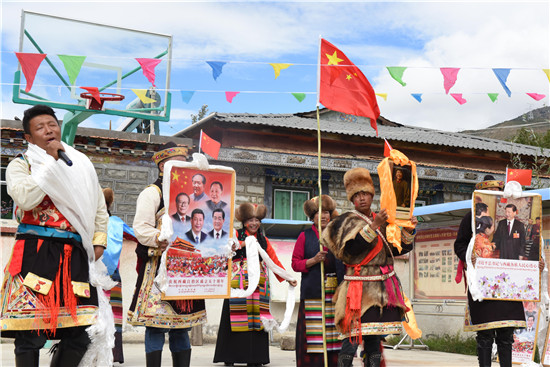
[{"x": 203, "y": 111}]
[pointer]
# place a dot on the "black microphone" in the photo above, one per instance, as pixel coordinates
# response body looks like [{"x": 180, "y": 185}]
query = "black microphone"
[{"x": 64, "y": 157}]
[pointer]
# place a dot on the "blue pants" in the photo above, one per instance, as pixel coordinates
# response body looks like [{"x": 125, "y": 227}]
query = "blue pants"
[{"x": 178, "y": 339}]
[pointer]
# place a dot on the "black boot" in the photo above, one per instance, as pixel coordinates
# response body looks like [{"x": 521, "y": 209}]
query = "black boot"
[
  {"x": 504, "y": 355},
  {"x": 67, "y": 357},
  {"x": 372, "y": 359},
  {"x": 484, "y": 356},
  {"x": 345, "y": 360},
  {"x": 27, "y": 359},
  {"x": 153, "y": 359},
  {"x": 181, "y": 359}
]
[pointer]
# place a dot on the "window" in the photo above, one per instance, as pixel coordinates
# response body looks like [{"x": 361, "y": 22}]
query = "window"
[{"x": 288, "y": 204}]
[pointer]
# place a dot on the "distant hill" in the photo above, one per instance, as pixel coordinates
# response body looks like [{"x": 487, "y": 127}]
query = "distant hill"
[{"x": 538, "y": 120}]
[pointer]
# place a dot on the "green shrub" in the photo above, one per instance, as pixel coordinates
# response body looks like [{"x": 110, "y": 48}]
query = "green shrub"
[{"x": 443, "y": 343}]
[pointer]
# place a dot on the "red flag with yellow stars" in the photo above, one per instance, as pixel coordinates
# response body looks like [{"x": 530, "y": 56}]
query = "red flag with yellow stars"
[
  {"x": 209, "y": 145},
  {"x": 523, "y": 176},
  {"x": 343, "y": 87}
]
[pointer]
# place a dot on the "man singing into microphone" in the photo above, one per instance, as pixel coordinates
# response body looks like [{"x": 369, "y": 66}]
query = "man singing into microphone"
[{"x": 48, "y": 291}]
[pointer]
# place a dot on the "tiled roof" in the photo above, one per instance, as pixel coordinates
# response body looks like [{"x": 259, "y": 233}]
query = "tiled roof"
[{"x": 390, "y": 131}]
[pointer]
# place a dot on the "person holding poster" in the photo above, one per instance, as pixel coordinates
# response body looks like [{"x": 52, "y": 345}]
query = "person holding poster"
[
  {"x": 306, "y": 259},
  {"x": 492, "y": 320},
  {"x": 147, "y": 309},
  {"x": 369, "y": 302},
  {"x": 241, "y": 334}
]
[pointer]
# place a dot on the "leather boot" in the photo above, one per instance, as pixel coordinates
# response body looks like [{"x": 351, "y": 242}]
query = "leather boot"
[
  {"x": 181, "y": 359},
  {"x": 153, "y": 359},
  {"x": 345, "y": 360},
  {"x": 372, "y": 360},
  {"x": 67, "y": 357},
  {"x": 484, "y": 355},
  {"x": 27, "y": 359},
  {"x": 504, "y": 355}
]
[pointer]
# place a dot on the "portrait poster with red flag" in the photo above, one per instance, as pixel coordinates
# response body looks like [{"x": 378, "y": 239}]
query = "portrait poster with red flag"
[
  {"x": 343, "y": 87},
  {"x": 200, "y": 205}
]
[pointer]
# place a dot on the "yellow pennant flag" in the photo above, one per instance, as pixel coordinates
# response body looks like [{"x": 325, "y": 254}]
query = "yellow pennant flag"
[
  {"x": 278, "y": 67},
  {"x": 547, "y": 72},
  {"x": 383, "y": 95},
  {"x": 141, "y": 95}
]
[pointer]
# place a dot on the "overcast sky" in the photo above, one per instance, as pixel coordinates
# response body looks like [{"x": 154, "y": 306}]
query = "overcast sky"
[{"x": 423, "y": 36}]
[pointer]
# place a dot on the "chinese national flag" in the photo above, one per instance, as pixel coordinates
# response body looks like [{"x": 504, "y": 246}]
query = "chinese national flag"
[
  {"x": 209, "y": 145},
  {"x": 387, "y": 148},
  {"x": 523, "y": 176},
  {"x": 343, "y": 87}
]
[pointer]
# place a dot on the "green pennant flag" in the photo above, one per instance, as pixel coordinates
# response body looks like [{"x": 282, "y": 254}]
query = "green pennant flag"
[
  {"x": 299, "y": 96},
  {"x": 493, "y": 96},
  {"x": 396, "y": 73},
  {"x": 72, "y": 65}
]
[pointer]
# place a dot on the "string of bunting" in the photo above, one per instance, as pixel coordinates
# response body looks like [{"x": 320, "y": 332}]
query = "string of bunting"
[{"x": 30, "y": 62}]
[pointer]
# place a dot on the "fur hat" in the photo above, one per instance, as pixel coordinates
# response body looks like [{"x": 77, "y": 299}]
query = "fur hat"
[
  {"x": 490, "y": 182},
  {"x": 356, "y": 180},
  {"x": 246, "y": 211},
  {"x": 109, "y": 196},
  {"x": 311, "y": 206},
  {"x": 169, "y": 150}
]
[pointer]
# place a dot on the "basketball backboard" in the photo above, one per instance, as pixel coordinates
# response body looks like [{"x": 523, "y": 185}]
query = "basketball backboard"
[{"x": 110, "y": 65}]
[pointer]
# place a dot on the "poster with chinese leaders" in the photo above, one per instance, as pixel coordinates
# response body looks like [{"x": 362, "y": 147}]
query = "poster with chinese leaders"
[{"x": 201, "y": 208}]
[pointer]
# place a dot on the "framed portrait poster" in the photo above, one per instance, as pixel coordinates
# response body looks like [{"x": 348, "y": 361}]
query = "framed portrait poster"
[
  {"x": 200, "y": 204},
  {"x": 545, "y": 357},
  {"x": 525, "y": 339},
  {"x": 507, "y": 246}
]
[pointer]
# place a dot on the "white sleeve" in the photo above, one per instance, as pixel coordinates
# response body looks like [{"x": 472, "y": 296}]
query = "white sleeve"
[
  {"x": 22, "y": 188},
  {"x": 145, "y": 227}
]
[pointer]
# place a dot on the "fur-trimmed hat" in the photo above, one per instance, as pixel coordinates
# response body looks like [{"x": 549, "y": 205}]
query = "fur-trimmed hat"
[
  {"x": 490, "y": 182},
  {"x": 356, "y": 180},
  {"x": 169, "y": 150},
  {"x": 245, "y": 211},
  {"x": 311, "y": 206},
  {"x": 109, "y": 196}
]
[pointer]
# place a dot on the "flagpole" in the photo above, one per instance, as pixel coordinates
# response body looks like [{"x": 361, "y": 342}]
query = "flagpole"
[
  {"x": 200, "y": 141},
  {"x": 319, "y": 228}
]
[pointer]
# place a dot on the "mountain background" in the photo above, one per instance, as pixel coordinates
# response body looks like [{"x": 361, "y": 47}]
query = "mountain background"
[{"x": 538, "y": 120}]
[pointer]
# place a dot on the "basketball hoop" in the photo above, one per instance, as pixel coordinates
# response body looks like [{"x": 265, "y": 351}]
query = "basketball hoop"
[{"x": 92, "y": 104}]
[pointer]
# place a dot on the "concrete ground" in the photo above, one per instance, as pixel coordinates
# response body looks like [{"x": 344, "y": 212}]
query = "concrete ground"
[{"x": 134, "y": 354}]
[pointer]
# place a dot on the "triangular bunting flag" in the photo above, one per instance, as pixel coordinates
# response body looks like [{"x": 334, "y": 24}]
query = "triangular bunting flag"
[
  {"x": 458, "y": 97},
  {"x": 396, "y": 73},
  {"x": 493, "y": 96},
  {"x": 209, "y": 145},
  {"x": 230, "y": 95},
  {"x": 141, "y": 93},
  {"x": 148, "y": 67},
  {"x": 343, "y": 87},
  {"x": 186, "y": 95},
  {"x": 536, "y": 96},
  {"x": 72, "y": 64},
  {"x": 387, "y": 148},
  {"x": 502, "y": 75},
  {"x": 449, "y": 77},
  {"x": 383, "y": 95},
  {"x": 94, "y": 92},
  {"x": 29, "y": 65},
  {"x": 216, "y": 68},
  {"x": 417, "y": 96},
  {"x": 278, "y": 67},
  {"x": 299, "y": 96},
  {"x": 547, "y": 72}
]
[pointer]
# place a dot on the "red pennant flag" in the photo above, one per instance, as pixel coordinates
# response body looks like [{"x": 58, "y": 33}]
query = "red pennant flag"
[
  {"x": 343, "y": 87},
  {"x": 523, "y": 176},
  {"x": 29, "y": 65},
  {"x": 387, "y": 148},
  {"x": 148, "y": 68},
  {"x": 94, "y": 91},
  {"x": 209, "y": 145}
]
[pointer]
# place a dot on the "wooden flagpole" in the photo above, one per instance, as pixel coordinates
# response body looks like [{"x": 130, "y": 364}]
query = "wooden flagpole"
[{"x": 325, "y": 356}]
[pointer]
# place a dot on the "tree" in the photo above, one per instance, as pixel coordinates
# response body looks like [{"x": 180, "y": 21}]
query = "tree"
[
  {"x": 203, "y": 111},
  {"x": 540, "y": 164}
]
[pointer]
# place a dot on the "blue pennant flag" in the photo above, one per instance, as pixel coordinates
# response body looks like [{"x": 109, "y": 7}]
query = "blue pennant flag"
[
  {"x": 216, "y": 68},
  {"x": 502, "y": 75},
  {"x": 417, "y": 96},
  {"x": 186, "y": 95}
]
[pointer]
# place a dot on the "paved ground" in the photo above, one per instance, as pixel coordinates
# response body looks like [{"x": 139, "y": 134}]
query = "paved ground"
[{"x": 202, "y": 356}]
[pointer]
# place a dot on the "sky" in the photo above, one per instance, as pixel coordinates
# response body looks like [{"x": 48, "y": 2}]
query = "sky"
[{"x": 422, "y": 36}]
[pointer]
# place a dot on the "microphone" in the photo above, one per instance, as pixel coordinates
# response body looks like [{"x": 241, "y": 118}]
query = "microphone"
[{"x": 64, "y": 157}]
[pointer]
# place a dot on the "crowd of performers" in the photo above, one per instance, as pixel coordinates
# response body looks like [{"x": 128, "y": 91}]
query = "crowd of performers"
[
  {"x": 53, "y": 288},
  {"x": 182, "y": 266}
]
